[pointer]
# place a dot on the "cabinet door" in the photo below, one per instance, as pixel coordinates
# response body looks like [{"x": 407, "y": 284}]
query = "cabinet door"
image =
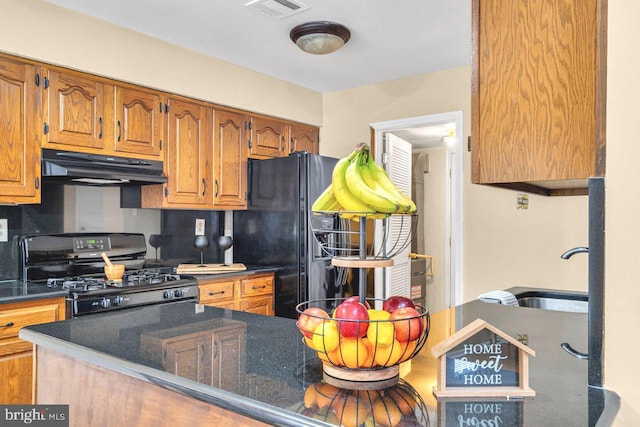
[
  {"x": 16, "y": 373},
  {"x": 268, "y": 138},
  {"x": 20, "y": 131},
  {"x": 258, "y": 305},
  {"x": 76, "y": 118},
  {"x": 537, "y": 113},
  {"x": 188, "y": 160},
  {"x": 190, "y": 358},
  {"x": 230, "y": 160},
  {"x": 304, "y": 138},
  {"x": 139, "y": 122},
  {"x": 229, "y": 359}
]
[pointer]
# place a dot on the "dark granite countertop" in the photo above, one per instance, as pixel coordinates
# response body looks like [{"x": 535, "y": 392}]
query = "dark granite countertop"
[
  {"x": 278, "y": 361},
  {"x": 17, "y": 290}
]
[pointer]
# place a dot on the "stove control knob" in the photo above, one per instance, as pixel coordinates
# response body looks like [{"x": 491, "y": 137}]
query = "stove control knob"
[
  {"x": 105, "y": 303},
  {"x": 178, "y": 293},
  {"x": 168, "y": 294},
  {"x": 118, "y": 301}
]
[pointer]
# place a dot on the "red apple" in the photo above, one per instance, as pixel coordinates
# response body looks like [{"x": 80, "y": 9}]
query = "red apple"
[
  {"x": 356, "y": 298},
  {"x": 409, "y": 329},
  {"x": 395, "y": 302},
  {"x": 310, "y": 319},
  {"x": 352, "y": 319}
]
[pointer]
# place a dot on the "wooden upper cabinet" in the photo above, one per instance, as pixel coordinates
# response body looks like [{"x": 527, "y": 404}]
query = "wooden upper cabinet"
[
  {"x": 538, "y": 94},
  {"x": 139, "y": 124},
  {"x": 268, "y": 138},
  {"x": 189, "y": 153},
  {"x": 230, "y": 160},
  {"x": 20, "y": 131},
  {"x": 75, "y": 113},
  {"x": 304, "y": 138}
]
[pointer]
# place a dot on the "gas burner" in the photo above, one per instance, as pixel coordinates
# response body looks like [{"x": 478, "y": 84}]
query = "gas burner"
[
  {"x": 76, "y": 283},
  {"x": 148, "y": 277}
]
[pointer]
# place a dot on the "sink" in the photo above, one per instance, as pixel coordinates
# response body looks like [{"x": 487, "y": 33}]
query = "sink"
[{"x": 574, "y": 302}]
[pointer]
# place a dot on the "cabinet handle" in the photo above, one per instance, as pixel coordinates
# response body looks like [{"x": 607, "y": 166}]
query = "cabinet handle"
[
  {"x": 204, "y": 185},
  {"x": 119, "y": 130},
  {"x": 216, "y": 184},
  {"x": 202, "y": 353},
  {"x": 216, "y": 293},
  {"x": 215, "y": 349},
  {"x": 100, "y": 122},
  {"x": 37, "y": 182},
  {"x": 8, "y": 325},
  {"x": 259, "y": 287}
]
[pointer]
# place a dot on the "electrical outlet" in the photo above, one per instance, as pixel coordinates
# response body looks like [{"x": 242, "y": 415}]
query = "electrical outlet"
[
  {"x": 200, "y": 227},
  {"x": 4, "y": 230},
  {"x": 523, "y": 201}
]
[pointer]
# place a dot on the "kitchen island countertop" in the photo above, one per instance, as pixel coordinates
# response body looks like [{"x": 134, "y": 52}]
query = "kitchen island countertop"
[{"x": 272, "y": 354}]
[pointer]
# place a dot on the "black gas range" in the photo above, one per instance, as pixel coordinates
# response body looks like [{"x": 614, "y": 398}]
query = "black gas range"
[{"x": 73, "y": 262}]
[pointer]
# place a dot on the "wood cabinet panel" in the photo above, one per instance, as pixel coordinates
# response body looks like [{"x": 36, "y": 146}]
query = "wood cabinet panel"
[
  {"x": 139, "y": 125},
  {"x": 537, "y": 98},
  {"x": 268, "y": 138},
  {"x": 252, "y": 293},
  {"x": 16, "y": 358},
  {"x": 216, "y": 292},
  {"x": 20, "y": 131},
  {"x": 304, "y": 138},
  {"x": 210, "y": 352},
  {"x": 75, "y": 113},
  {"x": 230, "y": 159},
  {"x": 188, "y": 160}
]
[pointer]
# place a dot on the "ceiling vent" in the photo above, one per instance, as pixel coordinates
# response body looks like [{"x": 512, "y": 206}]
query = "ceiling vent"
[{"x": 277, "y": 9}]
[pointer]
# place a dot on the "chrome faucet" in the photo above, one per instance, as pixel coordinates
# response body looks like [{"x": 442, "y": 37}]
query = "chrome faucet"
[{"x": 568, "y": 254}]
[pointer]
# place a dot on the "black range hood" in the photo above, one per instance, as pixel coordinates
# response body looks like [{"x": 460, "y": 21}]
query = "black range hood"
[{"x": 96, "y": 169}]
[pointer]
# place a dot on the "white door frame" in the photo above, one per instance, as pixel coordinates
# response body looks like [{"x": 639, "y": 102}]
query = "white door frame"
[{"x": 454, "y": 280}]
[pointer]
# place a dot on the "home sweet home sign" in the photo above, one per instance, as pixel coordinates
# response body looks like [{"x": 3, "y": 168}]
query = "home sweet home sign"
[{"x": 480, "y": 360}]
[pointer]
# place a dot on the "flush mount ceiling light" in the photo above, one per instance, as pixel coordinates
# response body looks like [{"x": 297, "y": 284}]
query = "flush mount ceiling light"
[{"x": 320, "y": 37}]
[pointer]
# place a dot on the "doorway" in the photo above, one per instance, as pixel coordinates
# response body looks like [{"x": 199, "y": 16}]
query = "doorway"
[{"x": 441, "y": 135}]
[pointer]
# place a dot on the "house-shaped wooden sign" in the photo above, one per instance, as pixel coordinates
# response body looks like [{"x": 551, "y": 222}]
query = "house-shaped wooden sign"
[{"x": 480, "y": 360}]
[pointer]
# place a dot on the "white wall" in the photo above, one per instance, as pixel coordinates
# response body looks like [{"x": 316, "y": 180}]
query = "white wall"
[
  {"x": 503, "y": 246},
  {"x": 622, "y": 216}
]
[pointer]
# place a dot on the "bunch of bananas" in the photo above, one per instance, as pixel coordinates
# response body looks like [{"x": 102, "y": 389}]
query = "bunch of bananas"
[{"x": 361, "y": 188}]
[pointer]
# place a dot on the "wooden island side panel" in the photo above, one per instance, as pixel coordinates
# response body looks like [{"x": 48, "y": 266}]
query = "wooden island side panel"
[{"x": 99, "y": 396}]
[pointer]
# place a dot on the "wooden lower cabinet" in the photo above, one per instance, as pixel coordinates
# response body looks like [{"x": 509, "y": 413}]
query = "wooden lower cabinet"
[
  {"x": 210, "y": 352},
  {"x": 250, "y": 293},
  {"x": 16, "y": 355}
]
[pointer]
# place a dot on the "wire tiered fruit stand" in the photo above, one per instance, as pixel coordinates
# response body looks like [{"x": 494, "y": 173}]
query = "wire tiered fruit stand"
[{"x": 371, "y": 362}]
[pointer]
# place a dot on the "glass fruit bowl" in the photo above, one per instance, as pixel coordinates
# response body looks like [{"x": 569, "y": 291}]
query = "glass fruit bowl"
[{"x": 359, "y": 344}]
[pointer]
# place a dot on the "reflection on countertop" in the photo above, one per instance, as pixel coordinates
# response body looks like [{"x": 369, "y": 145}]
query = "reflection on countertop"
[
  {"x": 17, "y": 290},
  {"x": 258, "y": 366}
]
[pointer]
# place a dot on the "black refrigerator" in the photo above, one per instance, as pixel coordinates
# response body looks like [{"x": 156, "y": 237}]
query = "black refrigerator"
[{"x": 274, "y": 231}]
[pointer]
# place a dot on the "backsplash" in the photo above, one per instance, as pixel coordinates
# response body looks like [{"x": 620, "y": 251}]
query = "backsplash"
[{"x": 66, "y": 209}]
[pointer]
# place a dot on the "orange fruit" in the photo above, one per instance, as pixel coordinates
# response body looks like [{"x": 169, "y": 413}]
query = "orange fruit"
[
  {"x": 389, "y": 355},
  {"x": 354, "y": 411},
  {"x": 404, "y": 399},
  {"x": 332, "y": 358},
  {"x": 386, "y": 413},
  {"x": 407, "y": 350},
  {"x": 326, "y": 337},
  {"x": 353, "y": 352},
  {"x": 326, "y": 393},
  {"x": 369, "y": 362},
  {"x": 310, "y": 397}
]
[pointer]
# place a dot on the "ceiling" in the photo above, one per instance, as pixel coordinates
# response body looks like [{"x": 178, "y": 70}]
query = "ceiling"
[{"x": 389, "y": 39}]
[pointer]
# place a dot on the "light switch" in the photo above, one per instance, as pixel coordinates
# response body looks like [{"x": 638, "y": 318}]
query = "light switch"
[
  {"x": 200, "y": 226},
  {"x": 4, "y": 230}
]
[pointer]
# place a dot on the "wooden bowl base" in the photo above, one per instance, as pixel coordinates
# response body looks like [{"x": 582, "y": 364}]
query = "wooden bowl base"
[{"x": 375, "y": 379}]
